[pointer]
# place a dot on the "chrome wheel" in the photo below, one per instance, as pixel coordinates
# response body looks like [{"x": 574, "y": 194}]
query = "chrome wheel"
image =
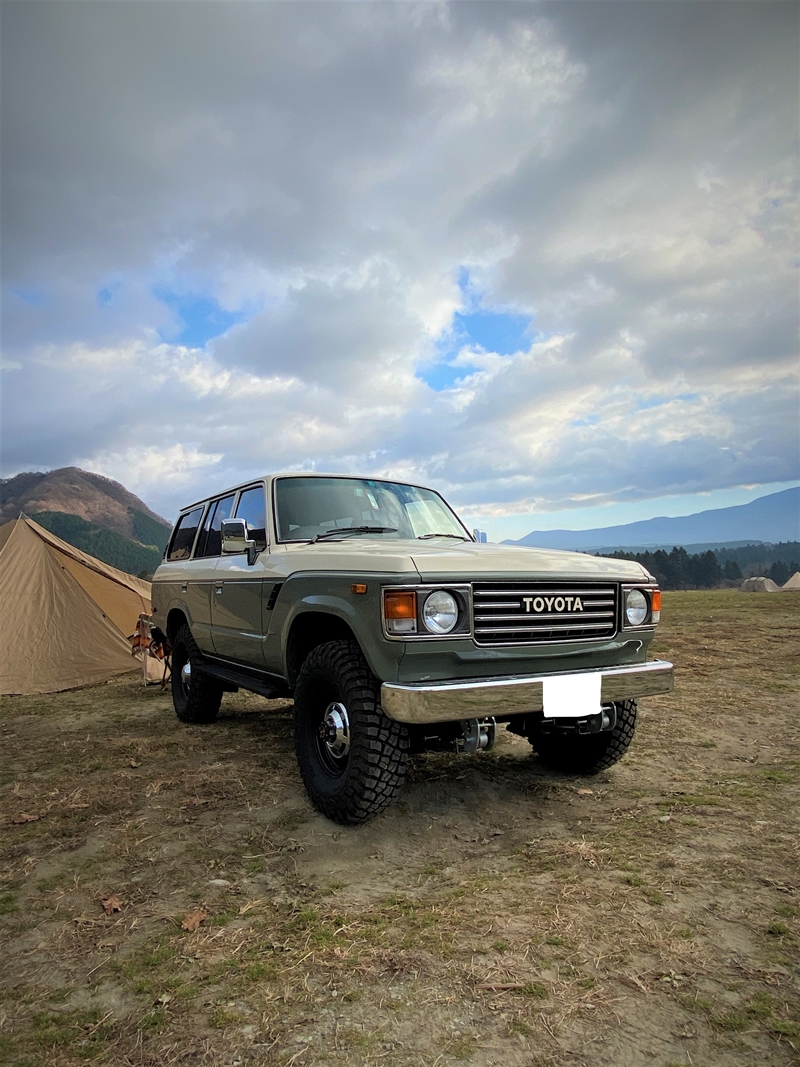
[
  {"x": 186, "y": 677},
  {"x": 334, "y": 737}
]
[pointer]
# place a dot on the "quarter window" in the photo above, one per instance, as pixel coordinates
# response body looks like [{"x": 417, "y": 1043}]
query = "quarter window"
[{"x": 180, "y": 546}]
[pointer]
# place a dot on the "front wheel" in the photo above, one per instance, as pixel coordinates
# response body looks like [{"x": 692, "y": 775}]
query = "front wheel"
[
  {"x": 196, "y": 697},
  {"x": 352, "y": 758},
  {"x": 573, "y": 753}
]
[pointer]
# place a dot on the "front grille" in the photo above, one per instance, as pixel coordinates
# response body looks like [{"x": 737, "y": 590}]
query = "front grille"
[{"x": 514, "y": 613}]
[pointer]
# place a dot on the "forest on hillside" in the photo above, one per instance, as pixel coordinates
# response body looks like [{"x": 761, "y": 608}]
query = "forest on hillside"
[{"x": 104, "y": 544}]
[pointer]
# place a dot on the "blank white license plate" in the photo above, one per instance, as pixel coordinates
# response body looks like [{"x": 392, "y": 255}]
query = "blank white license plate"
[{"x": 572, "y": 696}]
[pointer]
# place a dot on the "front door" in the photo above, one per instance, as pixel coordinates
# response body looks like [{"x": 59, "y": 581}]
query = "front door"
[{"x": 240, "y": 593}]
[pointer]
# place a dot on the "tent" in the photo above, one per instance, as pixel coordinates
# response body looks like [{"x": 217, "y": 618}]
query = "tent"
[
  {"x": 66, "y": 616},
  {"x": 758, "y": 585},
  {"x": 793, "y": 585}
]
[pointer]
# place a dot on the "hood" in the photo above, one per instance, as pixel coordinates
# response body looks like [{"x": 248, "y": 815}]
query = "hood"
[
  {"x": 466, "y": 561},
  {"x": 476, "y": 560}
]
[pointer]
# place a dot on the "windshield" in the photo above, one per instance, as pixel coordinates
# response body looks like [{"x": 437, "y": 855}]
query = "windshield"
[{"x": 307, "y": 508}]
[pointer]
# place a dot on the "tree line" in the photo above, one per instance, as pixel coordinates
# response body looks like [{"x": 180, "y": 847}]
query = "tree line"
[{"x": 680, "y": 569}]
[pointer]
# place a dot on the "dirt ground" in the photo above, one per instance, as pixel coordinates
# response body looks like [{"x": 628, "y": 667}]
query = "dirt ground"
[{"x": 498, "y": 915}]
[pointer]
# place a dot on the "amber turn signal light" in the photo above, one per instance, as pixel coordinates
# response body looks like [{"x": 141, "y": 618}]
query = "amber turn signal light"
[
  {"x": 655, "y": 603},
  {"x": 400, "y": 605}
]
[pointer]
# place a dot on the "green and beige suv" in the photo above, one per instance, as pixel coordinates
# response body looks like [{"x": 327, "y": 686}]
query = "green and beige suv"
[{"x": 372, "y": 605}]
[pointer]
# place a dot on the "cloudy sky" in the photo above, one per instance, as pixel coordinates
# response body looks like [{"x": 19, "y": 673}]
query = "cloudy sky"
[{"x": 542, "y": 257}]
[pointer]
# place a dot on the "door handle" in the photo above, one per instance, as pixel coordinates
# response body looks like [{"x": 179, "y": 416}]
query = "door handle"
[
  {"x": 184, "y": 587},
  {"x": 218, "y": 590}
]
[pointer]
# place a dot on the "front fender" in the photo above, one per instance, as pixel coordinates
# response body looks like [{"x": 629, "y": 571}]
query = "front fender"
[{"x": 361, "y": 613}]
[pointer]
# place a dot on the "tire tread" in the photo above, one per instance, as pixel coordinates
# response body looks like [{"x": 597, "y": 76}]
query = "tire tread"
[
  {"x": 379, "y": 746},
  {"x": 202, "y": 704}
]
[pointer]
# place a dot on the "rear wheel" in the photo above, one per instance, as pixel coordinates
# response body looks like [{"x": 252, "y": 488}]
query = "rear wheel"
[
  {"x": 195, "y": 696},
  {"x": 574, "y": 753},
  {"x": 352, "y": 758}
]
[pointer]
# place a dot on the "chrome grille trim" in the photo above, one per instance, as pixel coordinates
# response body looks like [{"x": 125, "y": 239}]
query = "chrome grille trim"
[
  {"x": 536, "y": 587},
  {"x": 500, "y": 620},
  {"x": 536, "y": 618}
]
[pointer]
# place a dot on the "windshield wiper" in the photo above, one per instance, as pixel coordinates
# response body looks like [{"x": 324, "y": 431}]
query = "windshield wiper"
[
  {"x": 353, "y": 529},
  {"x": 458, "y": 537}
]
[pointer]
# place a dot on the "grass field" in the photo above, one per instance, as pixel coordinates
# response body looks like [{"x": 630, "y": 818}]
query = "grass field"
[{"x": 499, "y": 915}]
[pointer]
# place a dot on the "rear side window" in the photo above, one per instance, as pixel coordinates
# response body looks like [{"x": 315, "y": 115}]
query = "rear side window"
[
  {"x": 210, "y": 542},
  {"x": 180, "y": 546},
  {"x": 252, "y": 508}
]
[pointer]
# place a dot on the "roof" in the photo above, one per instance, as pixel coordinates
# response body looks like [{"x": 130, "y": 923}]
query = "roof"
[{"x": 298, "y": 474}]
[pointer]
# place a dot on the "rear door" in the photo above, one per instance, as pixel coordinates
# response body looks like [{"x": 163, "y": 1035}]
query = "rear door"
[{"x": 189, "y": 580}]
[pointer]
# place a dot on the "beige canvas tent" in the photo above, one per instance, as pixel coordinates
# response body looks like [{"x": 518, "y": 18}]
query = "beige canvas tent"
[
  {"x": 65, "y": 615},
  {"x": 793, "y": 585},
  {"x": 758, "y": 585}
]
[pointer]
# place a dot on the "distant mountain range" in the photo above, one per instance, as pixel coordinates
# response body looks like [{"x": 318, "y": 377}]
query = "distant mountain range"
[
  {"x": 93, "y": 513},
  {"x": 771, "y": 518}
]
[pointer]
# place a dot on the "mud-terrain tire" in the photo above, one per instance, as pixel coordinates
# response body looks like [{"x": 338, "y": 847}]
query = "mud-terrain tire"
[
  {"x": 573, "y": 753},
  {"x": 198, "y": 700},
  {"x": 352, "y": 757}
]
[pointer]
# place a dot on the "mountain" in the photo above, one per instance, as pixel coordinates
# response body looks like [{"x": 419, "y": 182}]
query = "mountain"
[
  {"x": 771, "y": 518},
  {"x": 92, "y": 497},
  {"x": 93, "y": 513}
]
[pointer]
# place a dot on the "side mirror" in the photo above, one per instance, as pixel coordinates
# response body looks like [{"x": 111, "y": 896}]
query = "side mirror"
[{"x": 236, "y": 541}]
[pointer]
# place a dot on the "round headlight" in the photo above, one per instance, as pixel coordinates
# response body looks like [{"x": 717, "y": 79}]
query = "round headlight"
[
  {"x": 635, "y": 607},
  {"x": 440, "y": 612}
]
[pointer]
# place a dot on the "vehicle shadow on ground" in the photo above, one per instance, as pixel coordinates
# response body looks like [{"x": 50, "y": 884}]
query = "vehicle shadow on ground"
[{"x": 437, "y": 783}]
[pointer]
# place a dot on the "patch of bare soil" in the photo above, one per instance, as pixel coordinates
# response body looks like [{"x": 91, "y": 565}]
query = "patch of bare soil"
[{"x": 170, "y": 897}]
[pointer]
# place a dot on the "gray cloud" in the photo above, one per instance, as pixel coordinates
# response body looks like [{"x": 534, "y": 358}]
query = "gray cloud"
[{"x": 624, "y": 174}]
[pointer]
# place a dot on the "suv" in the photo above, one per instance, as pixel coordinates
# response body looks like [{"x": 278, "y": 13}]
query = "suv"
[{"x": 395, "y": 631}]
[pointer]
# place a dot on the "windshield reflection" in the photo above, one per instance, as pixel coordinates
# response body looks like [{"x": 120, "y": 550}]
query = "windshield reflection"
[{"x": 308, "y": 509}]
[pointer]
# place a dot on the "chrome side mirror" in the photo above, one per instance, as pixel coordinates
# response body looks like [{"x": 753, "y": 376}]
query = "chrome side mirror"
[{"x": 236, "y": 541}]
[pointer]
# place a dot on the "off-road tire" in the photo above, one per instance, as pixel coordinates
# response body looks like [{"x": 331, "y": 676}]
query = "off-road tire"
[
  {"x": 573, "y": 753},
  {"x": 369, "y": 777},
  {"x": 199, "y": 702}
]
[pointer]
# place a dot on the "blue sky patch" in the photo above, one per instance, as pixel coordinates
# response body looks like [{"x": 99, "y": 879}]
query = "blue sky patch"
[
  {"x": 107, "y": 293},
  {"x": 34, "y": 297},
  {"x": 443, "y": 375},
  {"x": 202, "y": 317},
  {"x": 494, "y": 330}
]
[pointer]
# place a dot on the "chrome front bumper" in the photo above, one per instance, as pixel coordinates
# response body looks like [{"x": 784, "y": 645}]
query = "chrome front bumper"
[{"x": 480, "y": 698}]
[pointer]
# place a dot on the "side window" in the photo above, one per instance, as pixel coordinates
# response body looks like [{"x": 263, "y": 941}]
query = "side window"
[
  {"x": 210, "y": 542},
  {"x": 252, "y": 508},
  {"x": 180, "y": 546}
]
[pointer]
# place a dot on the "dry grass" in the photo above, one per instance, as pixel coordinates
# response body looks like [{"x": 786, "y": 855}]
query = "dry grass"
[{"x": 498, "y": 915}]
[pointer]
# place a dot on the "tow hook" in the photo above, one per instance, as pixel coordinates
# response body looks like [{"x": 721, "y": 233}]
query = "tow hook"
[
  {"x": 468, "y": 735},
  {"x": 603, "y": 722},
  {"x": 477, "y": 735}
]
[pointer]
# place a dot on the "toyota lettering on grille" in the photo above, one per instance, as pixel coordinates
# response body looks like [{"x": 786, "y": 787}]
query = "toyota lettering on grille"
[
  {"x": 520, "y": 612},
  {"x": 550, "y": 603}
]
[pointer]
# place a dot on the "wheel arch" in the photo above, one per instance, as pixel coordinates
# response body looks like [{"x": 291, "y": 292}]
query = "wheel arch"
[
  {"x": 176, "y": 617},
  {"x": 307, "y": 631}
]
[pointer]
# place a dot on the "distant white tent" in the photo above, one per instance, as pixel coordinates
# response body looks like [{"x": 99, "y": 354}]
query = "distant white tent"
[
  {"x": 793, "y": 585},
  {"x": 758, "y": 585}
]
